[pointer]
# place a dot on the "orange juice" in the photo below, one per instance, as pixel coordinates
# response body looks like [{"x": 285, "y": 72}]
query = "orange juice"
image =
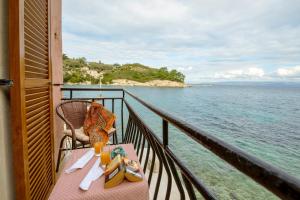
[
  {"x": 105, "y": 157},
  {"x": 98, "y": 146}
]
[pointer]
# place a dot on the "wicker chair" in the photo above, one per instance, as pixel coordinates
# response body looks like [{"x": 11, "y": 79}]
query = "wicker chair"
[{"x": 73, "y": 114}]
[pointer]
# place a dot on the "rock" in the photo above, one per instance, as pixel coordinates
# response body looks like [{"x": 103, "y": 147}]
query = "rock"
[{"x": 154, "y": 83}]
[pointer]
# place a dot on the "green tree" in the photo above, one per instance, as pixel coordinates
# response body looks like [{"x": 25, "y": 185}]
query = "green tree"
[{"x": 76, "y": 71}]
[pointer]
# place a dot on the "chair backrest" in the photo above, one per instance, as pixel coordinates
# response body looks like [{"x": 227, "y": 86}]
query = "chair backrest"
[{"x": 74, "y": 112}]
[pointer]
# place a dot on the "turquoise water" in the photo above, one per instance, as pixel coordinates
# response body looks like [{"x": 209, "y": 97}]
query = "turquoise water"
[{"x": 262, "y": 119}]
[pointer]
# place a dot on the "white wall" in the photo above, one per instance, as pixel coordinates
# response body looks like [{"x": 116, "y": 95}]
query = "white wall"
[{"x": 6, "y": 169}]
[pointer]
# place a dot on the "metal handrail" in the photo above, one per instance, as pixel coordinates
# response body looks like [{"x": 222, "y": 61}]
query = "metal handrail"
[
  {"x": 92, "y": 89},
  {"x": 192, "y": 178},
  {"x": 277, "y": 181}
]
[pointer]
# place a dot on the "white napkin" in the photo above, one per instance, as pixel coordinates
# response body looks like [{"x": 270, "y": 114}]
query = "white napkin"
[
  {"x": 95, "y": 172},
  {"x": 81, "y": 162}
]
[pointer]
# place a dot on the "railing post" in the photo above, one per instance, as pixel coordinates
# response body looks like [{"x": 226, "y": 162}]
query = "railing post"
[
  {"x": 165, "y": 133},
  {"x": 122, "y": 117},
  {"x": 71, "y": 94}
]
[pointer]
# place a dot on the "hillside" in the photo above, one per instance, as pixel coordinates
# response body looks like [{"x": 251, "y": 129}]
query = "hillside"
[{"x": 79, "y": 70}]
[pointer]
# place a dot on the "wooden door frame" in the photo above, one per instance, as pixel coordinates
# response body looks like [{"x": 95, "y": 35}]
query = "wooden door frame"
[{"x": 16, "y": 59}]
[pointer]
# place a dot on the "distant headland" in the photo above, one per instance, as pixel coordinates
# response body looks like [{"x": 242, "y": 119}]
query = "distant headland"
[{"x": 81, "y": 71}]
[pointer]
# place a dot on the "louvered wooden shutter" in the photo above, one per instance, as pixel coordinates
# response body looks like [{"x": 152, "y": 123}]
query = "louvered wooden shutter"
[{"x": 31, "y": 98}]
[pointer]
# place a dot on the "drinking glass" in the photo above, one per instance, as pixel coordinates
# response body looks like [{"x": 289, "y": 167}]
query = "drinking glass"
[
  {"x": 98, "y": 147},
  {"x": 105, "y": 158}
]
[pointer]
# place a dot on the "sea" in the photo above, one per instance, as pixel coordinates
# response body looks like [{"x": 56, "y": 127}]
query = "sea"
[{"x": 262, "y": 119}]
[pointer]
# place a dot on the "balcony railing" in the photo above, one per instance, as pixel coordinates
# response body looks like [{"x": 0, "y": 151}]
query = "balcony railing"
[{"x": 144, "y": 139}]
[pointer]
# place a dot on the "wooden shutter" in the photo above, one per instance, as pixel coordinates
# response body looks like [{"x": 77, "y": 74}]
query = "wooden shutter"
[{"x": 31, "y": 98}]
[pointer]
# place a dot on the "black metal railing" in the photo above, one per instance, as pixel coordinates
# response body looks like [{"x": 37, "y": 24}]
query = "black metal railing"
[{"x": 145, "y": 141}]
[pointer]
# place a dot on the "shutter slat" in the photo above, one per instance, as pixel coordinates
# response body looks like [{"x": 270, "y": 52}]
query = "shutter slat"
[
  {"x": 37, "y": 162},
  {"x": 35, "y": 75},
  {"x": 35, "y": 52},
  {"x": 33, "y": 57},
  {"x": 35, "y": 63},
  {"x": 41, "y": 194},
  {"x": 41, "y": 11},
  {"x": 34, "y": 39},
  {"x": 33, "y": 101},
  {"x": 43, "y": 3},
  {"x": 36, "y": 170},
  {"x": 37, "y": 127},
  {"x": 44, "y": 193},
  {"x": 36, "y": 69},
  {"x": 35, "y": 46},
  {"x": 34, "y": 112},
  {"x": 29, "y": 32},
  {"x": 37, "y": 151},
  {"x": 33, "y": 118},
  {"x": 29, "y": 126},
  {"x": 36, "y": 106},
  {"x": 39, "y": 5},
  {"x": 37, "y": 94},
  {"x": 37, "y": 192},
  {"x": 36, "y": 134},
  {"x": 40, "y": 168},
  {"x": 32, "y": 24},
  {"x": 35, "y": 16}
]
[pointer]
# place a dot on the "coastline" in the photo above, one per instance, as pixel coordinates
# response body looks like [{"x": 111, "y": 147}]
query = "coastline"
[{"x": 154, "y": 83}]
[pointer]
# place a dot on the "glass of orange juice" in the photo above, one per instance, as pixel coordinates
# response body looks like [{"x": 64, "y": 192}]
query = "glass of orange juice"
[
  {"x": 98, "y": 147},
  {"x": 105, "y": 158}
]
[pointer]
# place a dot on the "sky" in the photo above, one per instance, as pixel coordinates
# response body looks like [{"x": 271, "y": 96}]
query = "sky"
[{"x": 207, "y": 40}]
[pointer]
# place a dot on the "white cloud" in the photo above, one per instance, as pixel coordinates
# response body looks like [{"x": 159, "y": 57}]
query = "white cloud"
[
  {"x": 292, "y": 72},
  {"x": 218, "y": 38},
  {"x": 250, "y": 73},
  {"x": 184, "y": 69}
]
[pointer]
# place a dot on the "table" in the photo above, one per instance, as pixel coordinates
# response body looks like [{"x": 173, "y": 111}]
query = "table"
[{"x": 67, "y": 185}]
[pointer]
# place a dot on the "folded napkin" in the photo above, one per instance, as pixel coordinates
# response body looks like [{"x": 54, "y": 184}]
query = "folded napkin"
[
  {"x": 81, "y": 162},
  {"x": 95, "y": 172}
]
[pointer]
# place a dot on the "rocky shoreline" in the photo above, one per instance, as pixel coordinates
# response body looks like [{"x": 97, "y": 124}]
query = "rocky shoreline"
[{"x": 154, "y": 83}]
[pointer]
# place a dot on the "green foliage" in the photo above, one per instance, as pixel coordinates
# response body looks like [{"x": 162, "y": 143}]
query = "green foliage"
[
  {"x": 76, "y": 71},
  {"x": 65, "y": 57}
]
